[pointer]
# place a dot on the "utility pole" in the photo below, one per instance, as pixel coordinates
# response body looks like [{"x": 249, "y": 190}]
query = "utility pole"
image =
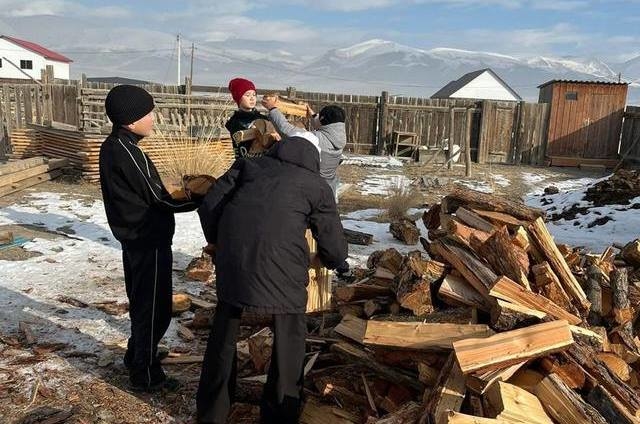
[
  {"x": 191, "y": 68},
  {"x": 619, "y": 76},
  {"x": 179, "y": 53}
]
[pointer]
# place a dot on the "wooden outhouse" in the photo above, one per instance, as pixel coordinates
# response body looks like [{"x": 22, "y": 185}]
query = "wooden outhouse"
[{"x": 585, "y": 121}]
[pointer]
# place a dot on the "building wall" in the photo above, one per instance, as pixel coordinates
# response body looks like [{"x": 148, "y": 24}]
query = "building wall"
[
  {"x": 585, "y": 119},
  {"x": 15, "y": 54},
  {"x": 485, "y": 87}
]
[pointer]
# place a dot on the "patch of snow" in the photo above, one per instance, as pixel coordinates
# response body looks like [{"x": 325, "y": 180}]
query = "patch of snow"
[
  {"x": 382, "y": 184},
  {"x": 501, "y": 180},
  {"x": 533, "y": 179},
  {"x": 623, "y": 226},
  {"x": 477, "y": 185},
  {"x": 382, "y": 238},
  {"x": 371, "y": 161},
  {"x": 363, "y": 214}
]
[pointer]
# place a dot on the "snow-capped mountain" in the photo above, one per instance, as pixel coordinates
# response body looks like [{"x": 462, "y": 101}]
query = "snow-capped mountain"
[{"x": 366, "y": 68}]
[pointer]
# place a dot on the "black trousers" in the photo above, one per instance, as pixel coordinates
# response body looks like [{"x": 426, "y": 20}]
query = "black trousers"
[
  {"x": 282, "y": 397},
  {"x": 147, "y": 276}
]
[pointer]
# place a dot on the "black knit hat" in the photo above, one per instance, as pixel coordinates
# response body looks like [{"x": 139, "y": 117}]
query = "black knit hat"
[
  {"x": 331, "y": 114},
  {"x": 125, "y": 104}
]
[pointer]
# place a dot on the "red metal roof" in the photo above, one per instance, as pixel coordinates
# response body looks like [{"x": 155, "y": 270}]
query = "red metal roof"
[{"x": 37, "y": 48}]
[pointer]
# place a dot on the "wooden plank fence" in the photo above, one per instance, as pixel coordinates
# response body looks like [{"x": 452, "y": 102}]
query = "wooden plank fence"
[
  {"x": 499, "y": 132},
  {"x": 630, "y": 140}
]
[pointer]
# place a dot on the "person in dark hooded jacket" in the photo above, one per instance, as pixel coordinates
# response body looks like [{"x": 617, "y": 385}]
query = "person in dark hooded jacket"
[
  {"x": 256, "y": 215},
  {"x": 140, "y": 214}
]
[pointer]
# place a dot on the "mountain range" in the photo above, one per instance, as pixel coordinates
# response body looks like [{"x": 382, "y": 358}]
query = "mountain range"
[{"x": 363, "y": 68}]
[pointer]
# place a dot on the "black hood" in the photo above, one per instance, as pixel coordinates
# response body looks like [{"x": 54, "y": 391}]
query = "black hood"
[{"x": 297, "y": 151}]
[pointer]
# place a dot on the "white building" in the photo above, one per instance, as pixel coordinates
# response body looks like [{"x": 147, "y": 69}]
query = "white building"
[
  {"x": 482, "y": 85},
  {"x": 21, "y": 59}
]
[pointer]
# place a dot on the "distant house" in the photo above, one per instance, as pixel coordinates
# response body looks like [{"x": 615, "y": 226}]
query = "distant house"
[
  {"x": 20, "y": 59},
  {"x": 482, "y": 85}
]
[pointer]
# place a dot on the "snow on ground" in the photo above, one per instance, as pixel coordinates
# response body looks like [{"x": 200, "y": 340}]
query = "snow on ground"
[
  {"x": 371, "y": 161},
  {"x": 382, "y": 238},
  {"x": 85, "y": 264},
  {"x": 477, "y": 185},
  {"x": 623, "y": 221},
  {"x": 382, "y": 184}
]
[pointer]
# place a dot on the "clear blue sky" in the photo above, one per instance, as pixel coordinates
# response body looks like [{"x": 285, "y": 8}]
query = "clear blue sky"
[{"x": 607, "y": 29}]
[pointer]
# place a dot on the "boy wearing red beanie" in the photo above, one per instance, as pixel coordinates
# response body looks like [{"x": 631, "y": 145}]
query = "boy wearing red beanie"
[{"x": 243, "y": 92}]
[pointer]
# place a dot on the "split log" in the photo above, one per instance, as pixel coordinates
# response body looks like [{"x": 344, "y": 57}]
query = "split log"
[
  {"x": 467, "y": 263},
  {"x": 631, "y": 253},
  {"x": 414, "y": 283},
  {"x": 527, "y": 378},
  {"x": 474, "y": 220},
  {"x": 408, "y": 413},
  {"x": 357, "y": 237},
  {"x": 500, "y": 219},
  {"x": 616, "y": 365},
  {"x": 185, "y": 333},
  {"x": 516, "y": 405},
  {"x": 567, "y": 370},
  {"x": 316, "y": 413},
  {"x": 548, "y": 285},
  {"x": 564, "y": 405},
  {"x": 503, "y": 349},
  {"x": 352, "y": 327},
  {"x": 431, "y": 217},
  {"x": 594, "y": 294},
  {"x": 498, "y": 251},
  {"x": 507, "y": 316},
  {"x": 477, "y": 200},
  {"x": 543, "y": 240},
  {"x": 521, "y": 239},
  {"x": 427, "y": 374},
  {"x": 588, "y": 359},
  {"x": 480, "y": 382},
  {"x": 447, "y": 395},
  {"x": 465, "y": 233},
  {"x": 622, "y": 312},
  {"x": 389, "y": 259},
  {"x": 182, "y": 359},
  {"x": 340, "y": 389},
  {"x": 354, "y": 354},
  {"x": 456, "y": 291},
  {"x": 409, "y": 335},
  {"x": 200, "y": 268},
  {"x": 509, "y": 291},
  {"x": 396, "y": 397},
  {"x": 609, "y": 407},
  {"x": 459, "y": 418},
  {"x": 405, "y": 230},
  {"x": 360, "y": 292}
]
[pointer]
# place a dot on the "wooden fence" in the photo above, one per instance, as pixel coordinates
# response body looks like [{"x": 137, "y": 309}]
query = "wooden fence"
[
  {"x": 499, "y": 132},
  {"x": 630, "y": 140}
]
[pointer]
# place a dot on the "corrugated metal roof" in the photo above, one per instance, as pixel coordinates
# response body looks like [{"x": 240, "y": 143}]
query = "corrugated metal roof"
[
  {"x": 581, "y": 82},
  {"x": 37, "y": 48}
]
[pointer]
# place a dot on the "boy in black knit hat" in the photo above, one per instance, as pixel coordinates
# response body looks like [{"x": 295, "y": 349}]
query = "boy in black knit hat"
[{"x": 140, "y": 214}]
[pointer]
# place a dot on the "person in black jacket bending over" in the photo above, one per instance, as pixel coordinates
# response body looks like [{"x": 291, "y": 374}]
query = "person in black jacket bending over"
[
  {"x": 256, "y": 216},
  {"x": 140, "y": 214}
]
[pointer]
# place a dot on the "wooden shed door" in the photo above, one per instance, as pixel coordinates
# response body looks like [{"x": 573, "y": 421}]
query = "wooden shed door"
[{"x": 601, "y": 128}]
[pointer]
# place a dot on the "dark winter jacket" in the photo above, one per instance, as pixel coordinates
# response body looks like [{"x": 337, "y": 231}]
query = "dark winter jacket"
[
  {"x": 242, "y": 120},
  {"x": 139, "y": 209},
  {"x": 257, "y": 215}
]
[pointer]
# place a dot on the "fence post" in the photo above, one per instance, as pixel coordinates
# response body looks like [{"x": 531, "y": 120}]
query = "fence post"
[
  {"x": 452, "y": 122},
  {"x": 383, "y": 112},
  {"x": 467, "y": 144},
  {"x": 516, "y": 139}
]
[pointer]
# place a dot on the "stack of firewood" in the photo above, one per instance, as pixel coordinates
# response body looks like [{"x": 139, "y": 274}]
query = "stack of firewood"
[{"x": 492, "y": 322}]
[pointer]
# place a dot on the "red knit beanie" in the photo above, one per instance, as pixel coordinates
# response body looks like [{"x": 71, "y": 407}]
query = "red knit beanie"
[{"x": 239, "y": 86}]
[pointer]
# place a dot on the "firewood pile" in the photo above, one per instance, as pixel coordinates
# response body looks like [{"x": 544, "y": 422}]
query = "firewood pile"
[
  {"x": 620, "y": 188},
  {"x": 492, "y": 322}
]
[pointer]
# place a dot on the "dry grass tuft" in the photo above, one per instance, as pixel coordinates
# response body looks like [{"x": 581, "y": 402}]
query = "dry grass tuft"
[{"x": 401, "y": 199}]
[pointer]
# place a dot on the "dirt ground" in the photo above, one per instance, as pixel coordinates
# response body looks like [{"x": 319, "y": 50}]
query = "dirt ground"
[{"x": 92, "y": 388}]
